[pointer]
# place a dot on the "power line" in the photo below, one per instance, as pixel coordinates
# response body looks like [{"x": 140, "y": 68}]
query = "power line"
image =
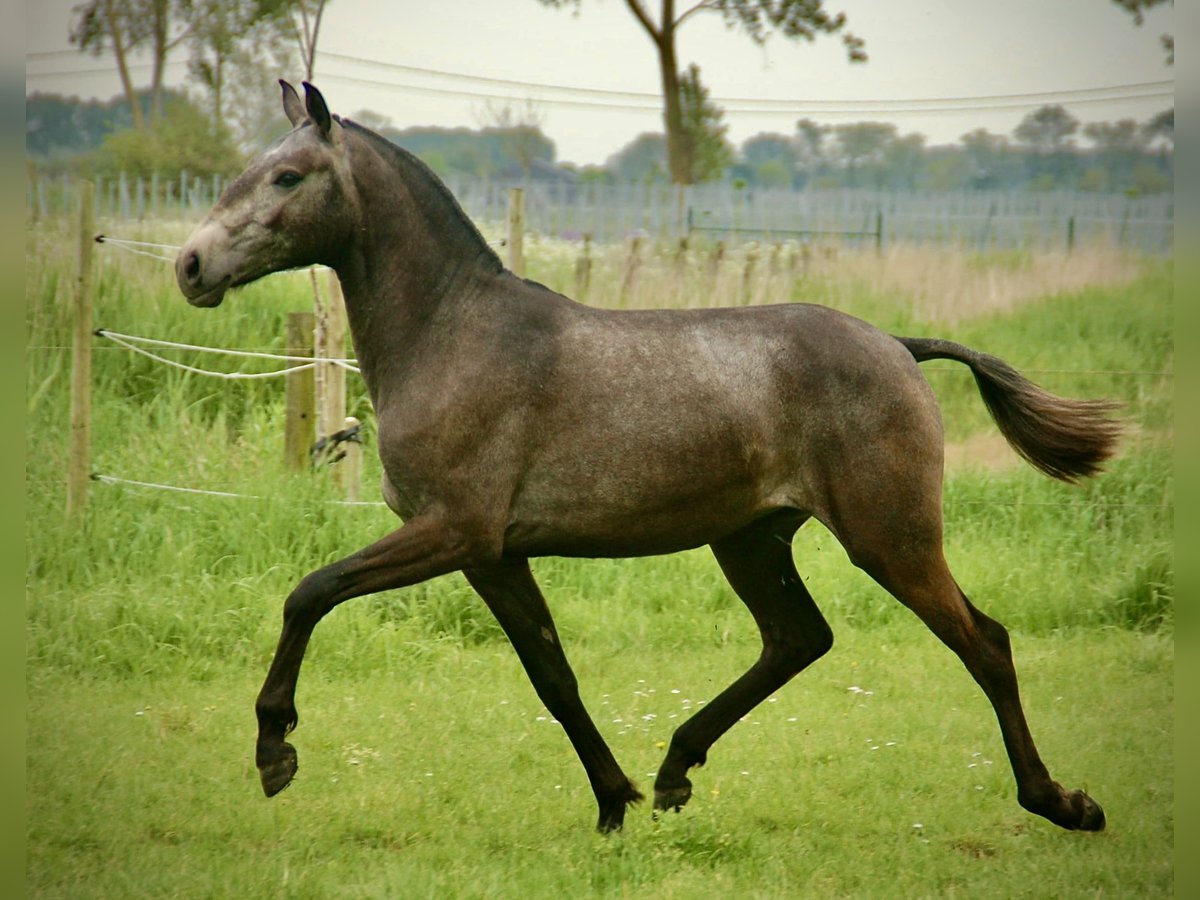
[
  {"x": 631, "y": 101},
  {"x": 777, "y": 108},
  {"x": 1067, "y": 94}
]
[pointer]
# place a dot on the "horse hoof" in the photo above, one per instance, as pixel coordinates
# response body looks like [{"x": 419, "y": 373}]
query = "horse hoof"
[
  {"x": 278, "y": 772},
  {"x": 1093, "y": 816},
  {"x": 672, "y": 798}
]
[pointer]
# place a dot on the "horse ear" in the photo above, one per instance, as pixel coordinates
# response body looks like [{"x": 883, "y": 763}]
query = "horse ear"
[
  {"x": 317, "y": 110},
  {"x": 292, "y": 107}
]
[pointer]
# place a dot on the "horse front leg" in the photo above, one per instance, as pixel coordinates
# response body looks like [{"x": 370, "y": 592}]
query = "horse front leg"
[
  {"x": 421, "y": 549},
  {"x": 513, "y": 596}
]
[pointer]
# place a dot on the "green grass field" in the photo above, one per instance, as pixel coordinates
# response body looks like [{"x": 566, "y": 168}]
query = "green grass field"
[{"x": 427, "y": 765}]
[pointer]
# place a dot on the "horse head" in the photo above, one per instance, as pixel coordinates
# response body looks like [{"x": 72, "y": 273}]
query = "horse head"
[{"x": 291, "y": 207}]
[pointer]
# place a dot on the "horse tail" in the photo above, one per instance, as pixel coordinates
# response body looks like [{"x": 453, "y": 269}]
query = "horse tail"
[{"x": 1064, "y": 438}]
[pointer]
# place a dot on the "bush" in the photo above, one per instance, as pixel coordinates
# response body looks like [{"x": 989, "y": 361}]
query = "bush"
[{"x": 183, "y": 139}]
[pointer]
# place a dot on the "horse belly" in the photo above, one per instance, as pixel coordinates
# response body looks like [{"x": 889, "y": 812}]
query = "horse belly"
[{"x": 638, "y": 497}]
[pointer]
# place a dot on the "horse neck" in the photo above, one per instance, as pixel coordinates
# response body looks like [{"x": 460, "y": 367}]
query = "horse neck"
[{"x": 417, "y": 267}]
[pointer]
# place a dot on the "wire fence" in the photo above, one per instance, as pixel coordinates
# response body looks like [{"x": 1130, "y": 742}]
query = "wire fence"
[
  {"x": 981, "y": 219},
  {"x": 138, "y": 345}
]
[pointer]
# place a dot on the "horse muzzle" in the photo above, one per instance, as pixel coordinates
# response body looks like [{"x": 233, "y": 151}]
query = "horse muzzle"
[{"x": 201, "y": 270}]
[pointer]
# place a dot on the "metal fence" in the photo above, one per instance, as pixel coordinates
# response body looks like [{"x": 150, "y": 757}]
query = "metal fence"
[{"x": 984, "y": 220}]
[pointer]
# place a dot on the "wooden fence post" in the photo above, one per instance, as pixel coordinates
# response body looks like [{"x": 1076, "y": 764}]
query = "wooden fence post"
[
  {"x": 330, "y": 380},
  {"x": 80, "y": 458},
  {"x": 679, "y": 269},
  {"x": 748, "y": 273},
  {"x": 583, "y": 269},
  {"x": 299, "y": 427},
  {"x": 516, "y": 231},
  {"x": 633, "y": 264},
  {"x": 332, "y": 345}
]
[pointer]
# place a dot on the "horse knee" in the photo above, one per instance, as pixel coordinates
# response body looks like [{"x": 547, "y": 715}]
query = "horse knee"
[{"x": 309, "y": 595}]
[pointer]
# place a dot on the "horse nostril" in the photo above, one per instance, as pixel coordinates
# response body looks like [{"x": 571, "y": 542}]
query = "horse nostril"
[{"x": 192, "y": 267}]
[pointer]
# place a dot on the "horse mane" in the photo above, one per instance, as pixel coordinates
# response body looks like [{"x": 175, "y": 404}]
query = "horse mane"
[{"x": 425, "y": 183}]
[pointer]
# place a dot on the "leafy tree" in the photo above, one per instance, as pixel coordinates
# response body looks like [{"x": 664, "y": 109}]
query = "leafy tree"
[
  {"x": 1047, "y": 129},
  {"x": 708, "y": 152},
  {"x": 126, "y": 26},
  {"x": 1118, "y": 145},
  {"x": 794, "y": 19},
  {"x": 182, "y": 139},
  {"x": 862, "y": 146},
  {"x": 987, "y": 156},
  {"x": 1136, "y": 8},
  {"x": 483, "y": 152},
  {"x": 948, "y": 169},
  {"x": 810, "y": 147},
  {"x": 519, "y": 129},
  {"x": 1047, "y": 132},
  {"x": 772, "y": 157},
  {"x": 642, "y": 159},
  {"x": 904, "y": 161},
  {"x": 1161, "y": 128},
  {"x": 115, "y": 25},
  {"x": 299, "y": 21},
  {"x": 57, "y": 127}
]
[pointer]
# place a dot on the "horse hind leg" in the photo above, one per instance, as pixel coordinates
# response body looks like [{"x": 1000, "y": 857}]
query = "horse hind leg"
[
  {"x": 921, "y": 581},
  {"x": 757, "y": 561}
]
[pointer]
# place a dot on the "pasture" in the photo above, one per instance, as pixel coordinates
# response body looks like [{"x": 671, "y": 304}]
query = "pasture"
[{"x": 428, "y": 767}]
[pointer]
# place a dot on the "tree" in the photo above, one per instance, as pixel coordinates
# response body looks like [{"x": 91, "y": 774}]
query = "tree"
[
  {"x": 708, "y": 152},
  {"x": 1161, "y": 128},
  {"x": 1047, "y": 132},
  {"x": 771, "y": 159},
  {"x": 125, "y": 26},
  {"x": 987, "y": 155},
  {"x": 519, "y": 129},
  {"x": 236, "y": 33},
  {"x": 863, "y": 145},
  {"x": 116, "y": 25},
  {"x": 182, "y": 139},
  {"x": 1136, "y": 8},
  {"x": 642, "y": 159},
  {"x": 1119, "y": 146},
  {"x": 810, "y": 148},
  {"x": 904, "y": 161},
  {"x": 794, "y": 19},
  {"x": 300, "y": 21}
]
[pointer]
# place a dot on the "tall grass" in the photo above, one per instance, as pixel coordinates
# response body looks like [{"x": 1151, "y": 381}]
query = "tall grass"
[
  {"x": 150, "y": 623},
  {"x": 152, "y": 581}
]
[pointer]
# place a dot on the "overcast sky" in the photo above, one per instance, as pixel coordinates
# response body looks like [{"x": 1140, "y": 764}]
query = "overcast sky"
[{"x": 604, "y": 73}]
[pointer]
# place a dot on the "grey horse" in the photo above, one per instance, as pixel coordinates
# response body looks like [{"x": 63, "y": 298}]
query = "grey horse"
[{"x": 514, "y": 423}]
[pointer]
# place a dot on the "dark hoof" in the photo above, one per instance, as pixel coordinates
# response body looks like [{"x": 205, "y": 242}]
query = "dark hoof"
[
  {"x": 612, "y": 810},
  {"x": 277, "y": 770},
  {"x": 1092, "y": 818},
  {"x": 671, "y": 798}
]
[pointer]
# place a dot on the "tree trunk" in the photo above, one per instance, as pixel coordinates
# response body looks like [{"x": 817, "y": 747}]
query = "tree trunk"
[
  {"x": 663, "y": 35},
  {"x": 218, "y": 75},
  {"x": 114, "y": 27},
  {"x": 678, "y": 149},
  {"x": 159, "y": 49}
]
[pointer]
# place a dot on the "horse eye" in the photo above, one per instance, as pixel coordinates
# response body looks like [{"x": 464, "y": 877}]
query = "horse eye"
[{"x": 288, "y": 179}]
